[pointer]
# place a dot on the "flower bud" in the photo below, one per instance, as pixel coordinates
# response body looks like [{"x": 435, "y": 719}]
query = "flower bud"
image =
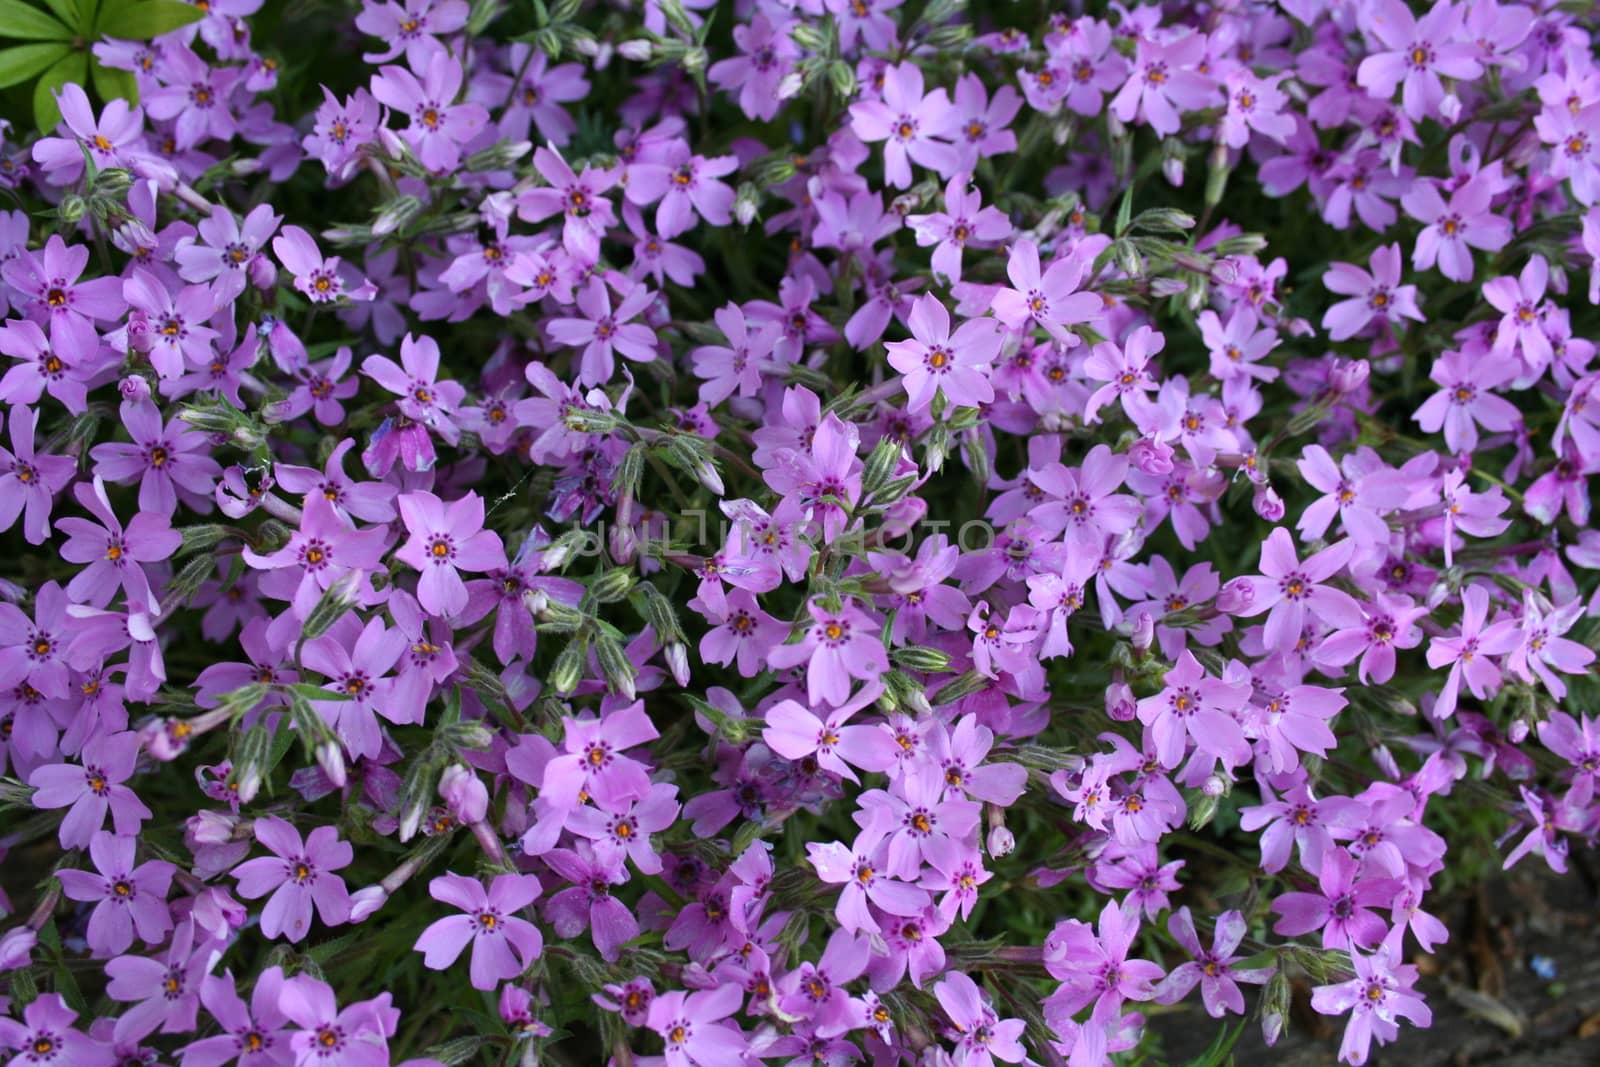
[
  {"x": 16, "y": 948},
  {"x": 134, "y": 387},
  {"x": 1001, "y": 842},
  {"x": 1151, "y": 456},
  {"x": 567, "y": 671},
  {"x": 611, "y": 586},
  {"x": 1268, "y": 504},
  {"x": 1120, "y": 704},
  {"x": 637, "y": 50},
  {"x": 367, "y": 900},
  {"x": 1349, "y": 375},
  {"x": 1236, "y": 596},
  {"x": 464, "y": 794},
  {"x": 676, "y": 654},
  {"x": 615, "y": 666},
  {"x": 919, "y": 658},
  {"x": 1144, "y": 634},
  {"x": 400, "y": 211}
]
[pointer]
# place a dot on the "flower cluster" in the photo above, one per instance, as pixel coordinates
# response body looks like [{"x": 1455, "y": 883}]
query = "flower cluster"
[{"x": 613, "y": 531}]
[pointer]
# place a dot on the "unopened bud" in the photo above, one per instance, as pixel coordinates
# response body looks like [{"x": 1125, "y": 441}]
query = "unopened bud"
[
  {"x": 611, "y": 586},
  {"x": 464, "y": 794},
  {"x": 398, "y": 212},
  {"x": 637, "y": 50},
  {"x": 921, "y": 659},
  {"x": 616, "y": 668},
  {"x": 1268, "y": 504},
  {"x": 366, "y": 901},
  {"x": 567, "y": 671}
]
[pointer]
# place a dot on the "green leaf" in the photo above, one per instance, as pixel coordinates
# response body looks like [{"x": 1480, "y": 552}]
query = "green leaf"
[
  {"x": 25, "y": 22},
  {"x": 147, "y": 18},
  {"x": 19, "y": 64},
  {"x": 113, "y": 84},
  {"x": 69, "y": 12},
  {"x": 72, "y": 67}
]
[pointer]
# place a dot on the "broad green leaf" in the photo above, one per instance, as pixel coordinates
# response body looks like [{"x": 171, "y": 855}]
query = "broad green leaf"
[
  {"x": 19, "y": 64},
  {"x": 71, "y": 13},
  {"x": 113, "y": 84},
  {"x": 24, "y": 22},
  {"x": 72, "y": 67},
  {"x": 146, "y": 19}
]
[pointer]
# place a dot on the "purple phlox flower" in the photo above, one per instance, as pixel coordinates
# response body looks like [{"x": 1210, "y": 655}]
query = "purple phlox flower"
[
  {"x": 1298, "y": 819},
  {"x": 1005, "y": 644},
  {"x": 1359, "y": 490},
  {"x": 165, "y": 993},
  {"x": 1453, "y": 228},
  {"x": 838, "y": 645},
  {"x": 254, "y": 1034},
  {"x": 1095, "y": 969},
  {"x": 956, "y": 757},
  {"x": 823, "y": 476},
  {"x": 1255, "y": 105},
  {"x": 1083, "y": 503},
  {"x": 1550, "y": 819},
  {"x": 579, "y": 199},
  {"x": 795, "y": 733},
  {"x": 964, "y": 221},
  {"x": 915, "y": 126},
  {"x": 323, "y": 281},
  {"x": 605, "y": 331},
  {"x": 29, "y": 480},
  {"x": 342, "y": 129},
  {"x": 195, "y": 95},
  {"x": 631, "y": 1000},
  {"x": 176, "y": 331},
  {"x": 415, "y": 380},
  {"x": 592, "y": 764},
  {"x": 64, "y": 375},
  {"x": 126, "y": 897},
  {"x": 737, "y": 365},
  {"x": 917, "y": 821},
  {"x": 446, "y": 539},
  {"x": 1414, "y": 53},
  {"x": 413, "y": 28},
  {"x": 356, "y": 662},
  {"x": 863, "y": 22},
  {"x": 1289, "y": 589},
  {"x": 1474, "y": 514},
  {"x": 685, "y": 185},
  {"x": 1212, "y": 970},
  {"x": 503, "y": 943},
  {"x": 1574, "y": 137},
  {"x": 1125, "y": 370},
  {"x": 365, "y": 500},
  {"x": 1542, "y": 650},
  {"x": 1059, "y": 596},
  {"x": 1465, "y": 399},
  {"x": 232, "y": 253},
  {"x": 1375, "y": 296},
  {"x": 1164, "y": 83},
  {"x": 298, "y": 875},
  {"x": 439, "y": 126},
  {"x": 1295, "y": 719},
  {"x": 1168, "y": 596},
  {"x": 587, "y": 904},
  {"x": 45, "y": 1037},
  {"x": 1132, "y": 864},
  {"x": 50, "y": 282},
  {"x": 1049, "y": 299},
  {"x": 1193, "y": 704},
  {"x": 815, "y": 991},
  {"x": 981, "y": 1035},
  {"x": 980, "y": 123},
  {"x": 627, "y": 833},
  {"x": 1376, "y": 997},
  {"x": 1238, "y": 346},
  {"x": 93, "y": 789},
  {"x": 937, "y": 360},
  {"x": 114, "y": 140},
  {"x": 693, "y": 1029},
  {"x": 1341, "y": 906},
  {"x": 862, "y": 871},
  {"x": 851, "y": 223},
  {"x": 536, "y": 100},
  {"x": 768, "y": 55},
  {"x": 1578, "y": 744},
  {"x": 1388, "y": 623},
  {"x": 328, "y": 1037},
  {"x": 1521, "y": 304}
]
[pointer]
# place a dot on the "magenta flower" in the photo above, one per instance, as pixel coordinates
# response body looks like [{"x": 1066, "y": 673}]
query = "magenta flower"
[
  {"x": 1341, "y": 908},
  {"x": 937, "y": 361},
  {"x": 195, "y": 95},
  {"x": 1193, "y": 704},
  {"x": 165, "y": 994},
  {"x": 861, "y": 871},
  {"x": 592, "y": 762},
  {"x": 1543, "y": 651},
  {"x": 413, "y": 28},
  {"x": 693, "y": 1030},
  {"x": 253, "y": 1035},
  {"x": 587, "y": 904},
  {"x": 536, "y": 101},
  {"x": 1465, "y": 400},
  {"x": 1468, "y": 652},
  {"x": 503, "y": 943},
  {"x": 177, "y": 332},
  {"x": 125, "y": 897},
  {"x": 423, "y": 398},
  {"x": 1390, "y": 623},
  {"x": 50, "y": 283},
  {"x": 329, "y": 1037},
  {"x": 815, "y": 991},
  {"x": 838, "y": 646},
  {"x": 323, "y": 281},
  {"x": 1415, "y": 53},
  {"x": 736, "y": 366},
  {"x": 342, "y": 130},
  {"x": 603, "y": 332},
  {"x": 1096, "y": 969},
  {"x": 298, "y": 876},
  {"x": 985, "y": 1037},
  {"x": 627, "y": 833},
  {"x": 915, "y": 126},
  {"x": 1049, "y": 299},
  {"x": 963, "y": 221},
  {"x": 64, "y": 376},
  {"x": 45, "y": 1037},
  {"x": 93, "y": 789},
  {"x": 1211, "y": 969},
  {"x": 358, "y": 675},
  {"x": 1165, "y": 83},
  {"x": 1379, "y": 994},
  {"x": 439, "y": 125},
  {"x": 796, "y": 733},
  {"x": 1376, "y": 296},
  {"x": 686, "y": 185},
  {"x": 113, "y": 140},
  {"x": 1453, "y": 228},
  {"x": 444, "y": 540},
  {"x": 29, "y": 481},
  {"x": 580, "y": 200},
  {"x": 323, "y": 550},
  {"x": 1288, "y": 588},
  {"x": 1520, "y": 303},
  {"x": 232, "y": 253},
  {"x": 768, "y": 54}
]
